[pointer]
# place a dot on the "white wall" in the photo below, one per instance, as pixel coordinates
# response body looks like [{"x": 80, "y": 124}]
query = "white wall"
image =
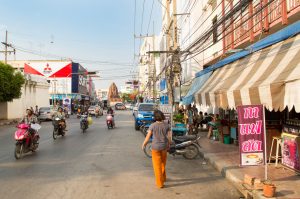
[{"x": 33, "y": 93}]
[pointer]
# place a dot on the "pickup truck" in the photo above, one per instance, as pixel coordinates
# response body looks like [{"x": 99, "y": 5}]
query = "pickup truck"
[{"x": 144, "y": 112}]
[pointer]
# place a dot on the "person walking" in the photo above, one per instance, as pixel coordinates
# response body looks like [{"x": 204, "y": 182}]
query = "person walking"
[{"x": 161, "y": 140}]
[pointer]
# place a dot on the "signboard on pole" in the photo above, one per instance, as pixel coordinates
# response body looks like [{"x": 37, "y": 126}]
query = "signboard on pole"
[
  {"x": 251, "y": 121},
  {"x": 167, "y": 110}
]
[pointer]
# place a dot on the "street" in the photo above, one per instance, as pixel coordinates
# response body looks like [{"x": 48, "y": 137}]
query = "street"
[{"x": 101, "y": 163}]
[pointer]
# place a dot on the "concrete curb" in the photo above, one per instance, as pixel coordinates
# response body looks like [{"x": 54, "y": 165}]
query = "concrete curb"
[{"x": 231, "y": 174}]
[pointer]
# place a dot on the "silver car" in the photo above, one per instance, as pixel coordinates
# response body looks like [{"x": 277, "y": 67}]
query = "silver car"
[{"x": 45, "y": 113}]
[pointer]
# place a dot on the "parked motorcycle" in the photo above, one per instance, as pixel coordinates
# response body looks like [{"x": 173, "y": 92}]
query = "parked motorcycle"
[
  {"x": 110, "y": 121},
  {"x": 27, "y": 139},
  {"x": 84, "y": 125},
  {"x": 187, "y": 146},
  {"x": 58, "y": 128},
  {"x": 145, "y": 127}
]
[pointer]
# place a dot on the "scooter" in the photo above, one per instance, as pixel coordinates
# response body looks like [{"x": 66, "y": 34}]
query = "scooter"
[
  {"x": 84, "y": 125},
  {"x": 58, "y": 128},
  {"x": 188, "y": 147},
  {"x": 27, "y": 139},
  {"x": 110, "y": 121}
]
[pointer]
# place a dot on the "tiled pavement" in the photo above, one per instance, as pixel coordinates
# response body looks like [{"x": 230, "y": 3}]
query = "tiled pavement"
[{"x": 225, "y": 158}]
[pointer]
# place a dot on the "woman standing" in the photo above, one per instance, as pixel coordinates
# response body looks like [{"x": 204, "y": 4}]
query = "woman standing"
[{"x": 161, "y": 140}]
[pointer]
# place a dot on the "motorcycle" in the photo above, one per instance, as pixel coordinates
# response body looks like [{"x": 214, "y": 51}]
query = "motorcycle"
[
  {"x": 145, "y": 127},
  {"x": 187, "y": 146},
  {"x": 84, "y": 125},
  {"x": 58, "y": 128},
  {"x": 26, "y": 141},
  {"x": 110, "y": 121},
  {"x": 66, "y": 113}
]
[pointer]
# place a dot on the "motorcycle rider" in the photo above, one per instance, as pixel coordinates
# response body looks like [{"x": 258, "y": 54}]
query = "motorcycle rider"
[
  {"x": 61, "y": 115},
  {"x": 28, "y": 119},
  {"x": 110, "y": 111}
]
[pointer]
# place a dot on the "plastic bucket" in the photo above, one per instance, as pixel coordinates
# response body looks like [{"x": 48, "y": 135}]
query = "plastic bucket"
[{"x": 226, "y": 139}]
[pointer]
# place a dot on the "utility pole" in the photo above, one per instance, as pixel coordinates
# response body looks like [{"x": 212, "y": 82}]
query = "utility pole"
[
  {"x": 6, "y": 45},
  {"x": 154, "y": 68}
]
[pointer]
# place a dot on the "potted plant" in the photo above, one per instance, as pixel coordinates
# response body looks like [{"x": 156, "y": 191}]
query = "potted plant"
[{"x": 269, "y": 189}]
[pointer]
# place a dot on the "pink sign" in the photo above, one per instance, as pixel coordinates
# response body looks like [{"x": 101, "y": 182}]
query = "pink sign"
[{"x": 251, "y": 134}]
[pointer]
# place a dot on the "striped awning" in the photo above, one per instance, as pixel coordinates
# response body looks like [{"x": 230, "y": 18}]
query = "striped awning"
[{"x": 270, "y": 77}]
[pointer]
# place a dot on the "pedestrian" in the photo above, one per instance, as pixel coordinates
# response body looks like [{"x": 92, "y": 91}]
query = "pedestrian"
[
  {"x": 190, "y": 116},
  {"x": 199, "y": 119},
  {"x": 161, "y": 140},
  {"x": 36, "y": 110},
  {"x": 195, "y": 110}
]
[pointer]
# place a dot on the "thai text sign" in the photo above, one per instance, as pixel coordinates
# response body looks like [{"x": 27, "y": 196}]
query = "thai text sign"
[{"x": 251, "y": 134}]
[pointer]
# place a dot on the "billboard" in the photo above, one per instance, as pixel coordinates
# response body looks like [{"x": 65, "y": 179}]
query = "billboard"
[{"x": 251, "y": 134}]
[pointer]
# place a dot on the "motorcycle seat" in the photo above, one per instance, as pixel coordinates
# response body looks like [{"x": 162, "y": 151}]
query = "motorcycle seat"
[{"x": 185, "y": 138}]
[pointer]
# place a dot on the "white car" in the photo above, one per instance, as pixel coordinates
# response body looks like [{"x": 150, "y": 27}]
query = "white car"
[{"x": 128, "y": 106}]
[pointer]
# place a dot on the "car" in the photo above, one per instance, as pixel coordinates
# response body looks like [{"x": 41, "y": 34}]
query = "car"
[
  {"x": 120, "y": 106},
  {"x": 92, "y": 110},
  {"x": 144, "y": 113},
  {"x": 45, "y": 113},
  {"x": 128, "y": 106}
]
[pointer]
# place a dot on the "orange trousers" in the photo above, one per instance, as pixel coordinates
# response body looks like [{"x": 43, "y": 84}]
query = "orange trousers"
[{"x": 159, "y": 160}]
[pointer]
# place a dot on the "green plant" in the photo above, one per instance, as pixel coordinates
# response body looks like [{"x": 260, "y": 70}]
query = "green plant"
[
  {"x": 178, "y": 118},
  {"x": 10, "y": 83}
]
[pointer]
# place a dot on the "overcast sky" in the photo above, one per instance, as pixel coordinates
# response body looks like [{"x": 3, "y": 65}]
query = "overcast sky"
[{"x": 88, "y": 31}]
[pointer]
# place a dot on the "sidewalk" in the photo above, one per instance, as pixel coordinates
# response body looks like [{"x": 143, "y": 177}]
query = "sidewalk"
[
  {"x": 8, "y": 122},
  {"x": 225, "y": 158}
]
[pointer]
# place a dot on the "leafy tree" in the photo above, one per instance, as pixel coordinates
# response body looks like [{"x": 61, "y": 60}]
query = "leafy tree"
[{"x": 10, "y": 83}]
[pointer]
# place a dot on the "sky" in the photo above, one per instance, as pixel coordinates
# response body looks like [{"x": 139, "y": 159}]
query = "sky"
[{"x": 99, "y": 34}]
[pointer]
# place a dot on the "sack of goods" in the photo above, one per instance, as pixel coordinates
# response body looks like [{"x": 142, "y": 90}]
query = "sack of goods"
[{"x": 90, "y": 120}]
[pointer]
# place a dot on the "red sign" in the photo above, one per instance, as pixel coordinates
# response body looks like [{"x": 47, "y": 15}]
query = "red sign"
[{"x": 251, "y": 134}]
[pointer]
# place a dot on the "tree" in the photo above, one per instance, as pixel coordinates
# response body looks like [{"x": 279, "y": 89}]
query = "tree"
[{"x": 10, "y": 83}]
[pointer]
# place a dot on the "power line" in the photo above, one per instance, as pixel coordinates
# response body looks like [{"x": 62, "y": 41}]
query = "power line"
[
  {"x": 259, "y": 10},
  {"x": 150, "y": 17},
  {"x": 142, "y": 17},
  {"x": 66, "y": 58}
]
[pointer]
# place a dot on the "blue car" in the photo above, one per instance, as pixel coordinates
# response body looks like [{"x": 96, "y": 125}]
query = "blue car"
[{"x": 144, "y": 113}]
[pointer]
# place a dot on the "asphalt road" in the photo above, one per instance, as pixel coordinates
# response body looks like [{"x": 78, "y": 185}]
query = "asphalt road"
[{"x": 100, "y": 164}]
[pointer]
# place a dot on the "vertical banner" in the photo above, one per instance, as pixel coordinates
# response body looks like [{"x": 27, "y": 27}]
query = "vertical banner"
[
  {"x": 251, "y": 134},
  {"x": 67, "y": 103}
]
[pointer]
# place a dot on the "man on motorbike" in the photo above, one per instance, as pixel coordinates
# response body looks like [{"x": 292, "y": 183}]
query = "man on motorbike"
[
  {"x": 110, "y": 111},
  {"x": 61, "y": 115},
  {"x": 29, "y": 119}
]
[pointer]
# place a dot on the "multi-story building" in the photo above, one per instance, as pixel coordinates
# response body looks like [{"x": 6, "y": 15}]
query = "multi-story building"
[
  {"x": 210, "y": 31},
  {"x": 67, "y": 79}
]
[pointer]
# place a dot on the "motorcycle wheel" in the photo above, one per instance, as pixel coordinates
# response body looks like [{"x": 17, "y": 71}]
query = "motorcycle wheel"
[
  {"x": 55, "y": 134},
  {"x": 191, "y": 152},
  {"x": 18, "y": 151},
  {"x": 148, "y": 150},
  {"x": 83, "y": 127}
]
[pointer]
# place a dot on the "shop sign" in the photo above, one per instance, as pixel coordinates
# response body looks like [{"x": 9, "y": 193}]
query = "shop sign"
[
  {"x": 251, "y": 129},
  {"x": 291, "y": 151}
]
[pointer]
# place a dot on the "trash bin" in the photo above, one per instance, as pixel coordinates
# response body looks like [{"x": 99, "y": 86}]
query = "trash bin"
[{"x": 226, "y": 139}]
